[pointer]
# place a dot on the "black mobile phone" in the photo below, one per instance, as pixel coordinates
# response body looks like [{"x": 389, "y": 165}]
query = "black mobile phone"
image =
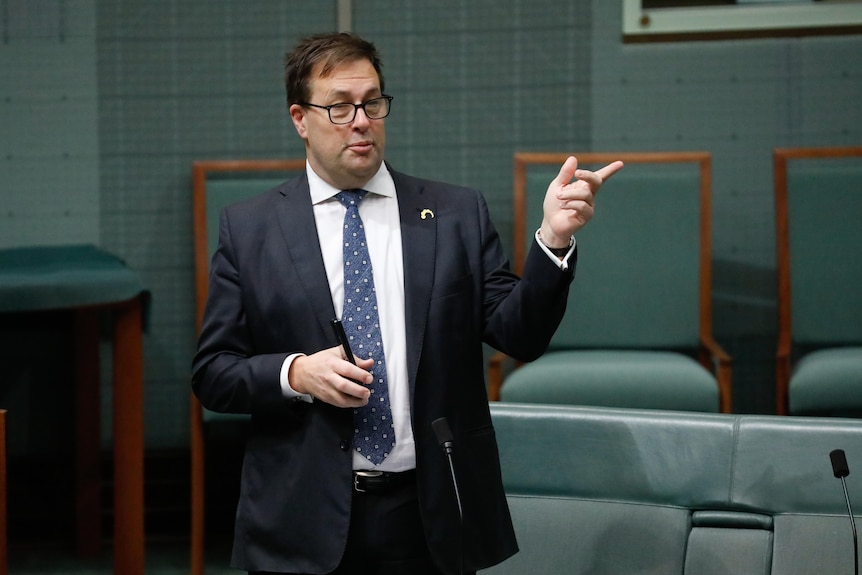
[{"x": 342, "y": 339}]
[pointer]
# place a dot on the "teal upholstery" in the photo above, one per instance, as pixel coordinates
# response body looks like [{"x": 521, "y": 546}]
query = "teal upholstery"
[
  {"x": 629, "y": 378},
  {"x": 633, "y": 332},
  {"x": 638, "y": 274},
  {"x": 604, "y": 490},
  {"x": 222, "y": 190},
  {"x": 821, "y": 191},
  {"x": 37, "y": 278},
  {"x": 724, "y": 550},
  {"x": 825, "y": 259},
  {"x": 828, "y": 380}
]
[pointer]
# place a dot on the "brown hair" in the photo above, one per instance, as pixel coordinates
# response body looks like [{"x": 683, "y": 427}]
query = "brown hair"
[{"x": 328, "y": 50}]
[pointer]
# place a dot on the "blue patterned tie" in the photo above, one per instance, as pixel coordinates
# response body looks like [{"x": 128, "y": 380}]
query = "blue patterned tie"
[{"x": 374, "y": 433}]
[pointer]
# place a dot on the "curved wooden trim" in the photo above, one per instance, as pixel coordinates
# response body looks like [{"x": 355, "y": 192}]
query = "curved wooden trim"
[{"x": 716, "y": 360}]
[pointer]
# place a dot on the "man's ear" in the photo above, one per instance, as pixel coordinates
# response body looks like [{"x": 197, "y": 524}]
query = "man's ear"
[{"x": 297, "y": 114}]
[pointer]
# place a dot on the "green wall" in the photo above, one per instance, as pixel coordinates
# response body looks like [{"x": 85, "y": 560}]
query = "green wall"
[
  {"x": 152, "y": 85},
  {"x": 49, "y": 145}
]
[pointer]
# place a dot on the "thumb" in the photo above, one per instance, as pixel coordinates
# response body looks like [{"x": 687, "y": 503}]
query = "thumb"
[{"x": 567, "y": 171}]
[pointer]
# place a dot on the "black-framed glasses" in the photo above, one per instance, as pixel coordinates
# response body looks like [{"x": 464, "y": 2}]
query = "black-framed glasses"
[{"x": 344, "y": 113}]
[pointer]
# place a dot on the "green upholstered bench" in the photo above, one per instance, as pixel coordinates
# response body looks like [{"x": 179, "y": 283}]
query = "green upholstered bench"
[{"x": 612, "y": 491}]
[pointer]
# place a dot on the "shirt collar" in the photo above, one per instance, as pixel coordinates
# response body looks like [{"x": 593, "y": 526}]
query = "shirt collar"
[{"x": 381, "y": 184}]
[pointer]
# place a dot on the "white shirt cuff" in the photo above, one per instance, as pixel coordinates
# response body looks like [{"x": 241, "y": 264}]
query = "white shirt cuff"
[
  {"x": 286, "y": 390},
  {"x": 562, "y": 264}
]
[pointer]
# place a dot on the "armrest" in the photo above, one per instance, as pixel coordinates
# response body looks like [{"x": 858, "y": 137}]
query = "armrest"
[
  {"x": 719, "y": 362},
  {"x": 782, "y": 371}
]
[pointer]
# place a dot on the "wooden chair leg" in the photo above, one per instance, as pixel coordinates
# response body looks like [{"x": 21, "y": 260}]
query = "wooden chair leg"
[
  {"x": 88, "y": 526},
  {"x": 198, "y": 519},
  {"x": 128, "y": 421}
]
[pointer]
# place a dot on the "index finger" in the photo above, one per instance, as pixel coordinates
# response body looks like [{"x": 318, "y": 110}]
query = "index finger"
[{"x": 606, "y": 172}]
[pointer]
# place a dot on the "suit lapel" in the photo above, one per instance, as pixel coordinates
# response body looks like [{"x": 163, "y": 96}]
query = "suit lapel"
[
  {"x": 296, "y": 218},
  {"x": 419, "y": 243},
  {"x": 418, "y": 239}
]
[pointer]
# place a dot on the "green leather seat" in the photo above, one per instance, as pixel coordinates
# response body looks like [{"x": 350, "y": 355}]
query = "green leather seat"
[
  {"x": 637, "y": 330},
  {"x": 828, "y": 382},
  {"x": 608, "y": 491},
  {"x": 818, "y": 194},
  {"x": 620, "y": 378}
]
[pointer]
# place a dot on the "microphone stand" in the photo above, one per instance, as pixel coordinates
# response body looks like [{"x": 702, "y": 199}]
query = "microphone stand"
[
  {"x": 446, "y": 440},
  {"x": 841, "y": 470},
  {"x": 853, "y": 528}
]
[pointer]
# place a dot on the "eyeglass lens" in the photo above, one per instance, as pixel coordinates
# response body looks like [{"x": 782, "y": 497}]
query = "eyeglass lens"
[{"x": 375, "y": 109}]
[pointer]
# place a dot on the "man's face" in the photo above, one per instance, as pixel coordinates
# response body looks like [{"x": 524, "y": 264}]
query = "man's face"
[{"x": 345, "y": 155}]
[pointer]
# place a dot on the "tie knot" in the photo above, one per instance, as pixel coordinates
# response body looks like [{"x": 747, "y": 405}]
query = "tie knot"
[{"x": 351, "y": 197}]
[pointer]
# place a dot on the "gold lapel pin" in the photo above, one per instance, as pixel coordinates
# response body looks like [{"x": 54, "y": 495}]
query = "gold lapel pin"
[{"x": 425, "y": 213}]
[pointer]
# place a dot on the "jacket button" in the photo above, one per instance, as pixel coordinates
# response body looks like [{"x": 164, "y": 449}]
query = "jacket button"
[{"x": 345, "y": 445}]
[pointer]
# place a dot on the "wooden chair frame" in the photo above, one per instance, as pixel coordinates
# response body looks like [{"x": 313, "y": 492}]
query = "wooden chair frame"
[
  {"x": 710, "y": 354},
  {"x": 784, "y": 348},
  {"x": 200, "y": 171}
]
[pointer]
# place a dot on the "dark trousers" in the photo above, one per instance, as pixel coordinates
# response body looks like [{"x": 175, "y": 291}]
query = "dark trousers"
[{"x": 386, "y": 536}]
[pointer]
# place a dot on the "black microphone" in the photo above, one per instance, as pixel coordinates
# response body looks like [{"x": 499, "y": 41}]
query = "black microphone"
[
  {"x": 447, "y": 442},
  {"x": 841, "y": 470},
  {"x": 444, "y": 434}
]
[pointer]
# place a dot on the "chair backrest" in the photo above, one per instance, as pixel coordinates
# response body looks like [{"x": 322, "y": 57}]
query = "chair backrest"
[
  {"x": 818, "y": 206},
  {"x": 644, "y": 263},
  {"x": 217, "y": 184}
]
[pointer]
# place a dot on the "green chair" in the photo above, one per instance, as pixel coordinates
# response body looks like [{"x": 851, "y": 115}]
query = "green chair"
[
  {"x": 216, "y": 184},
  {"x": 818, "y": 207},
  {"x": 638, "y": 328}
]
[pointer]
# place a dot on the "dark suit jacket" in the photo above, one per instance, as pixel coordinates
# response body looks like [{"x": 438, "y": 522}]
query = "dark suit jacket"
[{"x": 269, "y": 297}]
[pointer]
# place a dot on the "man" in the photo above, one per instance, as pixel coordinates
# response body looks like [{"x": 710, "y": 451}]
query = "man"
[{"x": 315, "y": 497}]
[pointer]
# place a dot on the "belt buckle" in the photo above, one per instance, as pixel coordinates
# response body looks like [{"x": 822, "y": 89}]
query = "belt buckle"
[{"x": 364, "y": 473}]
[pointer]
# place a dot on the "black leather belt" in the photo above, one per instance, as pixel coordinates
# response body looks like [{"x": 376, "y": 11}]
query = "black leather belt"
[{"x": 381, "y": 481}]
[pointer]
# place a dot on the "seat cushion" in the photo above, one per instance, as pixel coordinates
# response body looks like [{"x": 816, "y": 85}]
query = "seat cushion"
[
  {"x": 626, "y": 378},
  {"x": 813, "y": 543},
  {"x": 828, "y": 382},
  {"x": 709, "y": 551},
  {"x": 563, "y": 535}
]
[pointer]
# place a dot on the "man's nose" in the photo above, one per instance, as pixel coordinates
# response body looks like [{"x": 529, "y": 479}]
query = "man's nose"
[{"x": 361, "y": 118}]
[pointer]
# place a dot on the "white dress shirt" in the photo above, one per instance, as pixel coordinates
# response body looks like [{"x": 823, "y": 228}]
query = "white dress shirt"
[{"x": 380, "y": 217}]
